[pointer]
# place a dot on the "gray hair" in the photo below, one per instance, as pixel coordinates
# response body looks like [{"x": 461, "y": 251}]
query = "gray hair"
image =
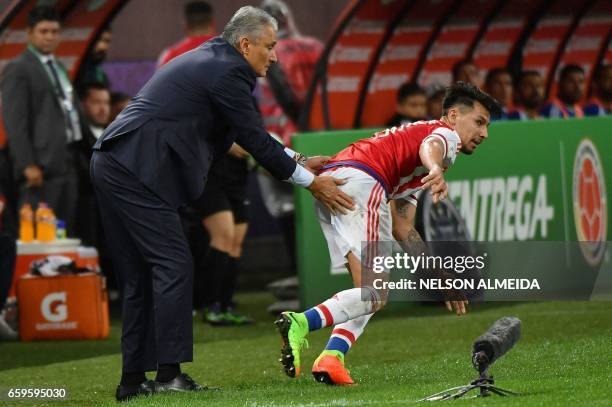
[{"x": 248, "y": 21}]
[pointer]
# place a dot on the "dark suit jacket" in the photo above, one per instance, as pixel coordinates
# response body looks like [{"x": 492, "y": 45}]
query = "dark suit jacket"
[
  {"x": 33, "y": 118},
  {"x": 82, "y": 156},
  {"x": 193, "y": 107}
]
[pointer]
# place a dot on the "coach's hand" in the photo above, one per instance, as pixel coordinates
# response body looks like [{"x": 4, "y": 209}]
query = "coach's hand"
[
  {"x": 314, "y": 163},
  {"x": 436, "y": 183},
  {"x": 326, "y": 191}
]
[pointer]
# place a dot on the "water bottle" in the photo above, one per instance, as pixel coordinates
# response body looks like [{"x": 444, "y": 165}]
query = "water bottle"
[
  {"x": 60, "y": 229},
  {"x": 26, "y": 223},
  {"x": 45, "y": 223}
]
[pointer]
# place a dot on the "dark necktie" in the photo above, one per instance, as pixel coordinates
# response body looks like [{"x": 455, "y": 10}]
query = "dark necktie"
[
  {"x": 73, "y": 131},
  {"x": 58, "y": 84}
]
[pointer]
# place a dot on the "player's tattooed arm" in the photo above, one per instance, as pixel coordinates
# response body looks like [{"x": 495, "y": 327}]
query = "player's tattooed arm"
[
  {"x": 412, "y": 243},
  {"x": 403, "y": 214}
]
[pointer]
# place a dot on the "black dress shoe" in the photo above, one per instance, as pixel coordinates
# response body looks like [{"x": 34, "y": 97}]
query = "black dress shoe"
[
  {"x": 126, "y": 392},
  {"x": 181, "y": 383}
]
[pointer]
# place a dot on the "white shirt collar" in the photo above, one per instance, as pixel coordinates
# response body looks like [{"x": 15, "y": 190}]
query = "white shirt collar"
[{"x": 45, "y": 58}]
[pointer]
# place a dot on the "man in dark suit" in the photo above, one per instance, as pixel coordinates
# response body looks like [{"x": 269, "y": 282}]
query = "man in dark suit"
[
  {"x": 154, "y": 158},
  {"x": 94, "y": 98},
  {"x": 41, "y": 120}
]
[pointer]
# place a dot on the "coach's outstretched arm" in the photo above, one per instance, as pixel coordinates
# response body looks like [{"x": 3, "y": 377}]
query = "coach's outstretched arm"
[{"x": 232, "y": 96}]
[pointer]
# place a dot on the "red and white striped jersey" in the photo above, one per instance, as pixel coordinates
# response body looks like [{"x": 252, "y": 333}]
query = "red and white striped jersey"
[{"x": 392, "y": 156}]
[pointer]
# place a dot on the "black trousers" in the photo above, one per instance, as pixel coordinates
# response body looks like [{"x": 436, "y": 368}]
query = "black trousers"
[{"x": 152, "y": 264}]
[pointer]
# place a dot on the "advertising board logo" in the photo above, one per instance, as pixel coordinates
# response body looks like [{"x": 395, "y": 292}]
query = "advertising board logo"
[
  {"x": 590, "y": 202},
  {"x": 53, "y": 307}
]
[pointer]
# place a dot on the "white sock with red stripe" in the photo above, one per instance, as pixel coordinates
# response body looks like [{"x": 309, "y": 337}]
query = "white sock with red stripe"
[
  {"x": 344, "y": 335},
  {"x": 342, "y": 307}
]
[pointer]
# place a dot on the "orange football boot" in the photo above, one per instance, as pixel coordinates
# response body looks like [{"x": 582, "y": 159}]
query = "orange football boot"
[{"x": 329, "y": 369}]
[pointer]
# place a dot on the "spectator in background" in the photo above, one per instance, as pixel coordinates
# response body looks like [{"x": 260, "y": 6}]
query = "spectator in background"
[
  {"x": 434, "y": 103},
  {"x": 283, "y": 92},
  {"x": 41, "y": 120},
  {"x": 529, "y": 96},
  {"x": 95, "y": 105},
  {"x": 281, "y": 96},
  {"x": 118, "y": 102},
  {"x": 411, "y": 105},
  {"x": 199, "y": 26},
  {"x": 466, "y": 71},
  {"x": 498, "y": 83},
  {"x": 600, "y": 103},
  {"x": 569, "y": 94},
  {"x": 91, "y": 69},
  {"x": 95, "y": 99}
]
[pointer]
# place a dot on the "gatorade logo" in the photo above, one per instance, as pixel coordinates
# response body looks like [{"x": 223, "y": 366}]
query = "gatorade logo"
[
  {"x": 53, "y": 307},
  {"x": 590, "y": 205}
]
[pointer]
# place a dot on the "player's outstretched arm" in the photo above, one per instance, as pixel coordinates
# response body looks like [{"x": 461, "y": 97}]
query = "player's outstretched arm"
[
  {"x": 432, "y": 153},
  {"x": 403, "y": 214}
]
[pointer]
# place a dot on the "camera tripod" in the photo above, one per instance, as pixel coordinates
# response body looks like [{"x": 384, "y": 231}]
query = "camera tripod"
[{"x": 484, "y": 384}]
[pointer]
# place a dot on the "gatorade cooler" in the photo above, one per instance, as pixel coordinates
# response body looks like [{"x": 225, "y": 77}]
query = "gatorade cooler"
[
  {"x": 87, "y": 257},
  {"x": 71, "y": 306},
  {"x": 29, "y": 252}
]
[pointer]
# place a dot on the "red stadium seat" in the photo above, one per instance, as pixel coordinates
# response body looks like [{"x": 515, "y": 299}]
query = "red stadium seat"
[
  {"x": 587, "y": 40},
  {"x": 547, "y": 38},
  {"x": 348, "y": 63},
  {"x": 400, "y": 59},
  {"x": 80, "y": 27},
  {"x": 499, "y": 39},
  {"x": 455, "y": 41}
]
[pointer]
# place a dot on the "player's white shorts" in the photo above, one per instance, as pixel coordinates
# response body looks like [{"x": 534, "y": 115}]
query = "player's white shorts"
[{"x": 370, "y": 220}]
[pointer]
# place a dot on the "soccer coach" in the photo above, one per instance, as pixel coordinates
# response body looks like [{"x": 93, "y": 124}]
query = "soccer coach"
[{"x": 153, "y": 159}]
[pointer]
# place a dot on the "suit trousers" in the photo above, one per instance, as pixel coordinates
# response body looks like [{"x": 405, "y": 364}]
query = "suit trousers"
[{"x": 152, "y": 264}]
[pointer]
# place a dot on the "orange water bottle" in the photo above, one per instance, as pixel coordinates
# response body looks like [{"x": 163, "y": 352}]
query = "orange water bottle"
[
  {"x": 26, "y": 223},
  {"x": 40, "y": 225},
  {"x": 43, "y": 217}
]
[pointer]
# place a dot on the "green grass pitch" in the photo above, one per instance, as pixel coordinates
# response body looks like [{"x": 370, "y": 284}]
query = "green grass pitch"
[{"x": 564, "y": 358}]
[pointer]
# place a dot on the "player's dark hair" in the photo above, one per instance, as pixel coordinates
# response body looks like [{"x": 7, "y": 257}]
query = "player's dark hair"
[
  {"x": 465, "y": 94},
  {"x": 198, "y": 14},
  {"x": 493, "y": 73},
  {"x": 42, "y": 13},
  {"x": 568, "y": 70},
  {"x": 458, "y": 66},
  {"x": 409, "y": 89},
  {"x": 83, "y": 90}
]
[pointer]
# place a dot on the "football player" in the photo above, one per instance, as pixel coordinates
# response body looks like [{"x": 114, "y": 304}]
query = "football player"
[{"x": 384, "y": 174}]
